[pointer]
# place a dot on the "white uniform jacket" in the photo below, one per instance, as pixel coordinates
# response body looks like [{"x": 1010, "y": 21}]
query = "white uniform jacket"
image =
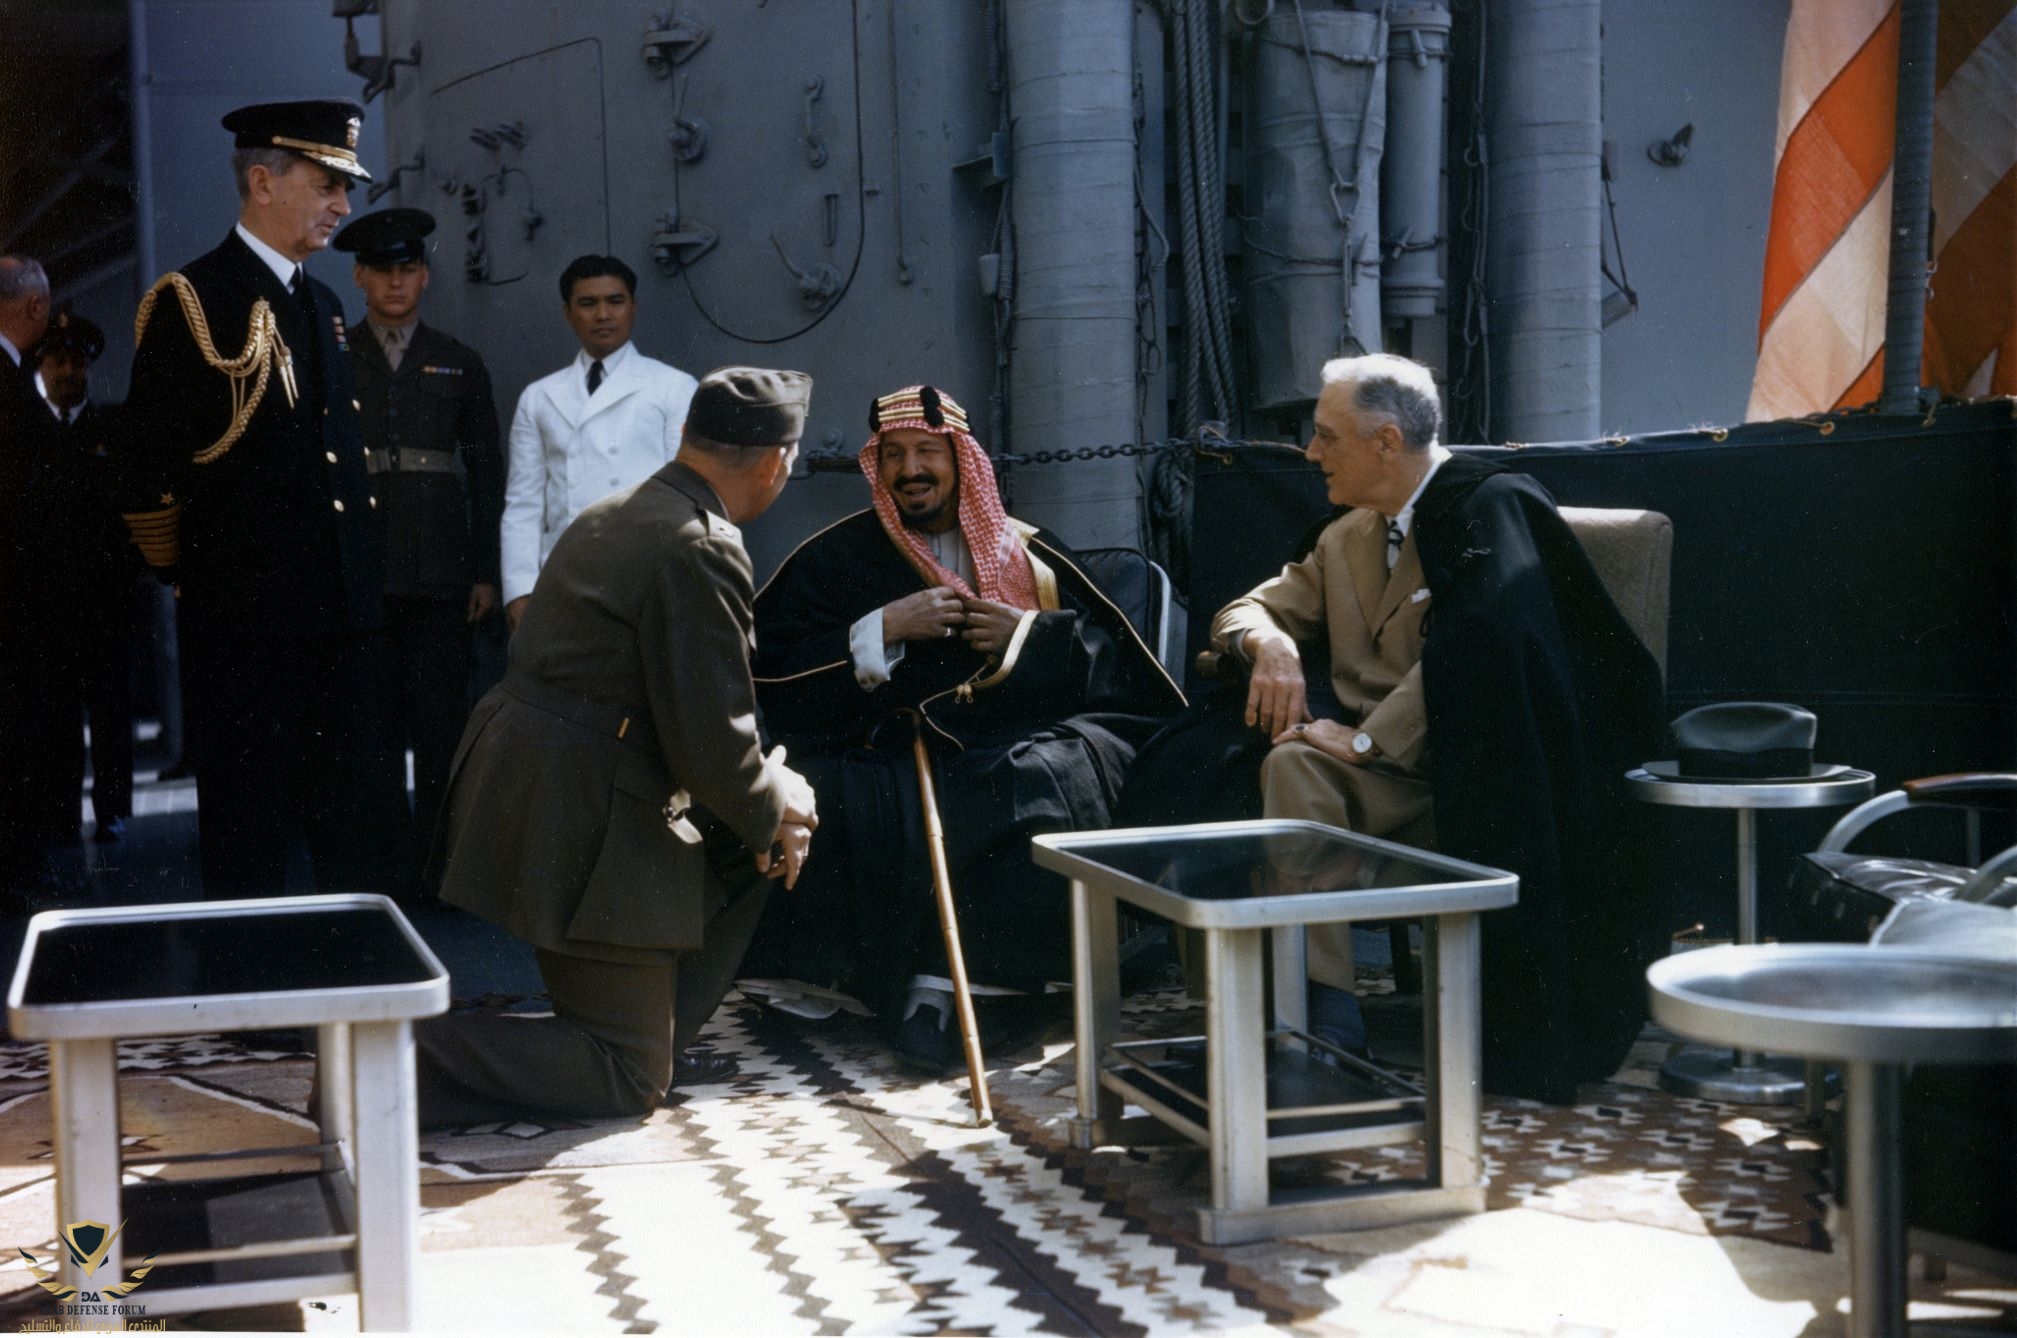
[{"x": 569, "y": 448}]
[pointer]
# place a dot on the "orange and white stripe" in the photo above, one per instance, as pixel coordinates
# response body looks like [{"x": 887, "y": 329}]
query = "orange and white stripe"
[{"x": 1821, "y": 318}]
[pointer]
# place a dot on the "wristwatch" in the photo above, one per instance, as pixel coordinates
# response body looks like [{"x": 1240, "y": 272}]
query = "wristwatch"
[{"x": 1363, "y": 745}]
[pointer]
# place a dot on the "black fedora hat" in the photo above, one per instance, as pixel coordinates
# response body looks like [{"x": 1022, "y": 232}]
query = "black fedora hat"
[{"x": 1744, "y": 742}]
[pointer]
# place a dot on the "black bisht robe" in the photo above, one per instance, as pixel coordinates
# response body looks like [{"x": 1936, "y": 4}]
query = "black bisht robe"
[
  {"x": 1038, "y": 743},
  {"x": 1540, "y": 697}
]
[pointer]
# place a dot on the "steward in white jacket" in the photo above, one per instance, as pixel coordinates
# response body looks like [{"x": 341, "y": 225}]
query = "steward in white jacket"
[{"x": 609, "y": 419}]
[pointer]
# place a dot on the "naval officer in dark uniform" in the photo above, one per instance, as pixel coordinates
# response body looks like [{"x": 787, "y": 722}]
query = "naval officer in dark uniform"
[
  {"x": 431, "y": 438},
  {"x": 101, "y": 582},
  {"x": 248, "y": 490}
]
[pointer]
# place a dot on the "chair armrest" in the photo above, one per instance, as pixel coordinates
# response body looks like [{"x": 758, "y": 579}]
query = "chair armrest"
[
  {"x": 1216, "y": 667},
  {"x": 1991, "y": 885},
  {"x": 1993, "y": 791}
]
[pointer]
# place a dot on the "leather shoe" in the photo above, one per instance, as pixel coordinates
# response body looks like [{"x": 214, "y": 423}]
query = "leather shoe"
[
  {"x": 696, "y": 1068},
  {"x": 925, "y": 1040}
]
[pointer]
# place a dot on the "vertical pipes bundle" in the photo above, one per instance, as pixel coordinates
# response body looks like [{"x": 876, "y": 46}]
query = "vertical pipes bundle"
[
  {"x": 1316, "y": 128},
  {"x": 1205, "y": 383},
  {"x": 1543, "y": 236},
  {"x": 1072, "y": 209}
]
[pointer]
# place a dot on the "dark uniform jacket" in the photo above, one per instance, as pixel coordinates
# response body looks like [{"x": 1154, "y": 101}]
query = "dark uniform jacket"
[
  {"x": 628, "y": 699},
  {"x": 275, "y": 534},
  {"x": 431, "y": 428},
  {"x": 43, "y": 489},
  {"x": 107, "y": 560}
]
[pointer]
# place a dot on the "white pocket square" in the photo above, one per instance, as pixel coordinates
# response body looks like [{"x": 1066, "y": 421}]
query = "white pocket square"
[{"x": 1419, "y": 595}]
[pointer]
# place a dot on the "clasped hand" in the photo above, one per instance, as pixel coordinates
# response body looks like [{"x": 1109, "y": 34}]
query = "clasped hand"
[
  {"x": 793, "y": 841},
  {"x": 940, "y": 612}
]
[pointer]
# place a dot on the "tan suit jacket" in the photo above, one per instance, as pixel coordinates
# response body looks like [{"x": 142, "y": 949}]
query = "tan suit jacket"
[
  {"x": 567, "y": 835},
  {"x": 1372, "y": 621}
]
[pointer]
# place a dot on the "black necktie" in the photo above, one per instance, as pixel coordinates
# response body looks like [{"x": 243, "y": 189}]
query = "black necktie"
[
  {"x": 594, "y": 376},
  {"x": 309, "y": 358},
  {"x": 1396, "y": 536}
]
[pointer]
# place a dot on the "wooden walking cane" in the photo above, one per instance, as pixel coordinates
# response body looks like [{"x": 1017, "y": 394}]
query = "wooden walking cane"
[{"x": 948, "y": 920}]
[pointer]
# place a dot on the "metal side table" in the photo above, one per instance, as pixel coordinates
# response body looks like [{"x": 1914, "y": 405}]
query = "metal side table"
[
  {"x": 349, "y": 966},
  {"x": 1249, "y": 1090},
  {"x": 1745, "y": 1077},
  {"x": 1874, "y": 1010}
]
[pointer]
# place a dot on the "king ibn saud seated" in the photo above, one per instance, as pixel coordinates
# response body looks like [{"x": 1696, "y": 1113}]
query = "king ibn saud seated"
[{"x": 935, "y": 610}]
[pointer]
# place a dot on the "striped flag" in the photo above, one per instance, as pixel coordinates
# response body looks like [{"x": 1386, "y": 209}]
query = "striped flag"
[{"x": 1821, "y": 318}]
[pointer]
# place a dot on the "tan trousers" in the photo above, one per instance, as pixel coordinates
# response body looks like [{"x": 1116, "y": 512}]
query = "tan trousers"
[
  {"x": 607, "y": 1050},
  {"x": 1300, "y": 780}
]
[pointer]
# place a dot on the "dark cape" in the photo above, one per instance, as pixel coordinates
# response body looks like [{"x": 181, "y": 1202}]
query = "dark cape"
[
  {"x": 1540, "y": 698},
  {"x": 1038, "y": 743}
]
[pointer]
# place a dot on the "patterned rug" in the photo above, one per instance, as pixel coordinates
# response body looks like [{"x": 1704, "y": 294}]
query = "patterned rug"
[{"x": 827, "y": 1190}]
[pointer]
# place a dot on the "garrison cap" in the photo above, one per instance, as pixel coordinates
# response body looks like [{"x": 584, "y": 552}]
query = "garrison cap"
[
  {"x": 750, "y": 406},
  {"x": 322, "y": 132},
  {"x": 71, "y": 333},
  {"x": 388, "y": 237}
]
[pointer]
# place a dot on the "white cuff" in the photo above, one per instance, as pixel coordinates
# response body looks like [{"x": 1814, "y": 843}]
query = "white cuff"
[{"x": 873, "y": 661}]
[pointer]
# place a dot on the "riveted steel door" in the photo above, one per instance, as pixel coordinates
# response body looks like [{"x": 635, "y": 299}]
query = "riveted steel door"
[
  {"x": 516, "y": 163},
  {"x": 763, "y": 132}
]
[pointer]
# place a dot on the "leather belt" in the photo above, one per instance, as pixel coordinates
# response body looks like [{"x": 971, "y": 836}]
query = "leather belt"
[
  {"x": 412, "y": 460},
  {"x": 616, "y": 722}
]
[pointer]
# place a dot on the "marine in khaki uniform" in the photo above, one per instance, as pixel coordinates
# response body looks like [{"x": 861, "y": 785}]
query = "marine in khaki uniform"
[
  {"x": 611, "y": 803},
  {"x": 430, "y": 430},
  {"x": 246, "y": 488}
]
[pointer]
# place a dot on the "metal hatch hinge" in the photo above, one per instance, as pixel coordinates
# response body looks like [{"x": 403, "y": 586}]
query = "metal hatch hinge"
[
  {"x": 818, "y": 283},
  {"x": 669, "y": 39},
  {"x": 673, "y": 247}
]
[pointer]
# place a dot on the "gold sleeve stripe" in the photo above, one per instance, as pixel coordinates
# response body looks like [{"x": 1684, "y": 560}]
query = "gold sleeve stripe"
[{"x": 157, "y": 534}]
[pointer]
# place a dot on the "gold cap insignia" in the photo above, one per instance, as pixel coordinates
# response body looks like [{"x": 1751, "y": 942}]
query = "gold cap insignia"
[{"x": 351, "y": 127}]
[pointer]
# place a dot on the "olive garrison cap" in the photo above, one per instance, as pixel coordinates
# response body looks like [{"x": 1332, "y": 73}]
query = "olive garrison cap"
[
  {"x": 750, "y": 406},
  {"x": 388, "y": 237},
  {"x": 322, "y": 132}
]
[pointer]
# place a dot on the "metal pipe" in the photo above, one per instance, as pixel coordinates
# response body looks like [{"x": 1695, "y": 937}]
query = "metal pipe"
[
  {"x": 1072, "y": 208},
  {"x": 1877, "y": 1259},
  {"x": 1911, "y": 205},
  {"x": 1316, "y": 129},
  {"x": 1543, "y": 257},
  {"x": 1411, "y": 176},
  {"x": 141, "y": 99},
  {"x": 1747, "y": 899}
]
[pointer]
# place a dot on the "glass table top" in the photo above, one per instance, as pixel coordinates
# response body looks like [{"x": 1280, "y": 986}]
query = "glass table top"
[
  {"x": 219, "y": 955},
  {"x": 1271, "y": 863},
  {"x": 1237, "y": 865}
]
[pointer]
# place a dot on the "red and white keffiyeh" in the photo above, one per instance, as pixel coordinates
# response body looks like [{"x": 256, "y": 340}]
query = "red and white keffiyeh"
[{"x": 1001, "y": 563}]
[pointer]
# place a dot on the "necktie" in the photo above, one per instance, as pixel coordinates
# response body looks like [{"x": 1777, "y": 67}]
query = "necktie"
[
  {"x": 594, "y": 376},
  {"x": 1396, "y": 536},
  {"x": 394, "y": 343},
  {"x": 308, "y": 358}
]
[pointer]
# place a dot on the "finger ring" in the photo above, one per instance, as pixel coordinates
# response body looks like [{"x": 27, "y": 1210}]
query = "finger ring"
[
  {"x": 948, "y": 629},
  {"x": 1302, "y": 729}
]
